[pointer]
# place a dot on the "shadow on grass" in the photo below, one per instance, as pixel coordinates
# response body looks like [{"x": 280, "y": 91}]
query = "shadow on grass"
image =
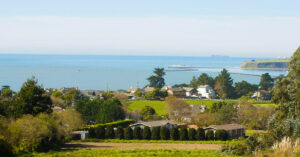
[{"x": 76, "y": 146}]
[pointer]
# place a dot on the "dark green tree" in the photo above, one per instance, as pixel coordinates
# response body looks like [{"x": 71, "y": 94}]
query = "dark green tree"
[
  {"x": 193, "y": 82},
  {"x": 147, "y": 112},
  {"x": 216, "y": 106},
  {"x": 146, "y": 133},
  {"x": 174, "y": 133},
  {"x": 221, "y": 135},
  {"x": 210, "y": 135},
  {"x": 128, "y": 133},
  {"x": 155, "y": 133},
  {"x": 92, "y": 132},
  {"x": 109, "y": 132},
  {"x": 137, "y": 133},
  {"x": 110, "y": 110},
  {"x": 164, "y": 133},
  {"x": 244, "y": 88},
  {"x": 120, "y": 133},
  {"x": 266, "y": 82},
  {"x": 200, "y": 134},
  {"x": 204, "y": 79},
  {"x": 228, "y": 113},
  {"x": 32, "y": 99},
  {"x": 71, "y": 97},
  {"x": 100, "y": 132},
  {"x": 183, "y": 134},
  {"x": 192, "y": 134},
  {"x": 89, "y": 109},
  {"x": 157, "y": 80},
  {"x": 223, "y": 85}
]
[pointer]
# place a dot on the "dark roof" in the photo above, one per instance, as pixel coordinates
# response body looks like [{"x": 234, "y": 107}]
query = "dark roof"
[
  {"x": 226, "y": 127},
  {"x": 154, "y": 123},
  {"x": 176, "y": 89}
]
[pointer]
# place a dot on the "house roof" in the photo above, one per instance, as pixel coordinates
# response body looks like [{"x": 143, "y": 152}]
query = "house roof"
[
  {"x": 154, "y": 123},
  {"x": 203, "y": 86},
  {"x": 177, "y": 89},
  {"x": 188, "y": 89},
  {"x": 148, "y": 89},
  {"x": 226, "y": 127}
]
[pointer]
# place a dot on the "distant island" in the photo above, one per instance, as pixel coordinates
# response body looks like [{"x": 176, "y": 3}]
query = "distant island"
[{"x": 268, "y": 64}]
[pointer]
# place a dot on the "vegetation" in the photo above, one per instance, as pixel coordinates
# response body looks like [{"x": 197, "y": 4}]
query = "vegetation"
[
  {"x": 223, "y": 85},
  {"x": 174, "y": 133},
  {"x": 183, "y": 134},
  {"x": 266, "y": 82},
  {"x": 157, "y": 80},
  {"x": 164, "y": 133},
  {"x": 146, "y": 133}
]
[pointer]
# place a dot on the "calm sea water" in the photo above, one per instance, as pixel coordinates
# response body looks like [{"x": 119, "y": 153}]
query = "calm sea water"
[{"x": 113, "y": 72}]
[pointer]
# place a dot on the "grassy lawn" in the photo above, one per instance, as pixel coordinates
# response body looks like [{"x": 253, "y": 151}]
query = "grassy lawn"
[
  {"x": 152, "y": 141},
  {"x": 161, "y": 106},
  {"x": 132, "y": 153},
  {"x": 265, "y": 105},
  {"x": 251, "y": 132}
]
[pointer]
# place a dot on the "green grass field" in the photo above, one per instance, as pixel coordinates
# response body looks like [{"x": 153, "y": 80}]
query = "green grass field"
[
  {"x": 265, "y": 105},
  {"x": 152, "y": 141},
  {"x": 131, "y": 153}
]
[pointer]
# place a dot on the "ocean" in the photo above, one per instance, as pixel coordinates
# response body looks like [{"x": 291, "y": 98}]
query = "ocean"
[{"x": 104, "y": 72}]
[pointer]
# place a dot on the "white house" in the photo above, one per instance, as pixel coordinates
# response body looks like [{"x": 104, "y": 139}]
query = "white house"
[{"x": 206, "y": 91}]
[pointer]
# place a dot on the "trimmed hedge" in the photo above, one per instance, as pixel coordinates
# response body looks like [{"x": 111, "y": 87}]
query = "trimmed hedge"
[
  {"x": 183, "y": 134},
  {"x": 121, "y": 123},
  {"x": 146, "y": 133},
  {"x": 137, "y": 133},
  {"x": 109, "y": 132},
  {"x": 192, "y": 134},
  {"x": 200, "y": 134},
  {"x": 120, "y": 133},
  {"x": 210, "y": 135},
  {"x": 221, "y": 135},
  {"x": 155, "y": 133},
  {"x": 164, "y": 133},
  {"x": 128, "y": 133},
  {"x": 100, "y": 132},
  {"x": 174, "y": 133}
]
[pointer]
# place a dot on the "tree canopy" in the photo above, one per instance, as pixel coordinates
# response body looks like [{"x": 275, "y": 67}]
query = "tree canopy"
[
  {"x": 157, "y": 80},
  {"x": 223, "y": 85},
  {"x": 266, "y": 82}
]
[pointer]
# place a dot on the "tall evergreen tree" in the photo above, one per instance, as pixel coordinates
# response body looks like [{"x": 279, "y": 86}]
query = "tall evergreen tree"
[
  {"x": 266, "y": 82},
  {"x": 223, "y": 85},
  {"x": 204, "y": 79},
  {"x": 157, "y": 80},
  {"x": 174, "y": 133},
  {"x": 200, "y": 134},
  {"x": 193, "y": 82},
  {"x": 146, "y": 133},
  {"x": 183, "y": 134}
]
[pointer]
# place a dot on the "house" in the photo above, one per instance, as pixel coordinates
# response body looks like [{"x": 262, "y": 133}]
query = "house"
[
  {"x": 92, "y": 94},
  {"x": 151, "y": 124},
  {"x": 133, "y": 90},
  {"x": 191, "y": 92},
  {"x": 65, "y": 89},
  {"x": 79, "y": 135},
  {"x": 234, "y": 130},
  {"x": 262, "y": 94},
  {"x": 206, "y": 92},
  {"x": 177, "y": 92},
  {"x": 148, "y": 89},
  {"x": 166, "y": 87}
]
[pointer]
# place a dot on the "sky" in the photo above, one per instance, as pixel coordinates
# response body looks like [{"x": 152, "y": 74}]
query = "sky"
[{"x": 237, "y": 28}]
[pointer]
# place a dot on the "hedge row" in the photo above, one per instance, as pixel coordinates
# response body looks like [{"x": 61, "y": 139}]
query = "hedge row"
[
  {"x": 121, "y": 123},
  {"x": 156, "y": 133}
]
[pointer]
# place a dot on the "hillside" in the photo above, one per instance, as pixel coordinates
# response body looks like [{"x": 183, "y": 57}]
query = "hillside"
[{"x": 270, "y": 64}]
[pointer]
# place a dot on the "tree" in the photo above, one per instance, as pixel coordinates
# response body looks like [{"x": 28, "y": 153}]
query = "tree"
[
  {"x": 183, "y": 134},
  {"x": 156, "y": 94},
  {"x": 120, "y": 133},
  {"x": 204, "y": 79},
  {"x": 174, "y": 134},
  {"x": 227, "y": 114},
  {"x": 57, "y": 94},
  {"x": 138, "y": 93},
  {"x": 128, "y": 133},
  {"x": 146, "y": 133},
  {"x": 266, "y": 82},
  {"x": 193, "y": 82},
  {"x": 89, "y": 109},
  {"x": 244, "y": 88},
  {"x": 221, "y": 135},
  {"x": 147, "y": 112},
  {"x": 164, "y": 133},
  {"x": 110, "y": 110},
  {"x": 137, "y": 133},
  {"x": 177, "y": 108},
  {"x": 155, "y": 133},
  {"x": 216, "y": 106},
  {"x": 32, "y": 99},
  {"x": 192, "y": 134},
  {"x": 210, "y": 135},
  {"x": 157, "y": 80},
  {"x": 109, "y": 132},
  {"x": 100, "y": 132},
  {"x": 223, "y": 85},
  {"x": 71, "y": 97},
  {"x": 6, "y": 93},
  {"x": 200, "y": 134}
]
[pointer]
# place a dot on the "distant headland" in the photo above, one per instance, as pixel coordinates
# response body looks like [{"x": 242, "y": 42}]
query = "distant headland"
[{"x": 268, "y": 64}]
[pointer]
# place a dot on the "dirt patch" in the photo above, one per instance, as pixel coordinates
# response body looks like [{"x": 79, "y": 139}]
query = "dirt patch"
[{"x": 102, "y": 145}]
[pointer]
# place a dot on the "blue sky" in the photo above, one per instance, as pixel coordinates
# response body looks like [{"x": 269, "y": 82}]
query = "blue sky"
[{"x": 254, "y": 28}]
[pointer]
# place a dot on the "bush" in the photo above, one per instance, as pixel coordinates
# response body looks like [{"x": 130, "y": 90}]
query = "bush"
[
  {"x": 92, "y": 133},
  {"x": 100, "y": 132},
  {"x": 200, "y": 134},
  {"x": 174, "y": 134},
  {"x": 155, "y": 133},
  {"x": 221, "y": 135},
  {"x": 109, "y": 132},
  {"x": 210, "y": 135},
  {"x": 236, "y": 148},
  {"x": 137, "y": 133},
  {"x": 192, "y": 134},
  {"x": 183, "y": 134},
  {"x": 5, "y": 148},
  {"x": 146, "y": 133},
  {"x": 128, "y": 133},
  {"x": 164, "y": 133},
  {"x": 120, "y": 133}
]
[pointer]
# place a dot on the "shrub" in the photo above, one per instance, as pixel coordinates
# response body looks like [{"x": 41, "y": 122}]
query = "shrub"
[
  {"x": 210, "y": 135},
  {"x": 120, "y": 133},
  {"x": 92, "y": 133},
  {"x": 146, "y": 133},
  {"x": 137, "y": 133},
  {"x": 221, "y": 135},
  {"x": 192, "y": 134},
  {"x": 109, "y": 132},
  {"x": 174, "y": 134},
  {"x": 164, "y": 133},
  {"x": 100, "y": 132},
  {"x": 128, "y": 133},
  {"x": 155, "y": 133},
  {"x": 5, "y": 148},
  {"x": 200, "y": 134},
  {"x": 183, "y": 134},
  {"x": 235, "y": 148}
]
